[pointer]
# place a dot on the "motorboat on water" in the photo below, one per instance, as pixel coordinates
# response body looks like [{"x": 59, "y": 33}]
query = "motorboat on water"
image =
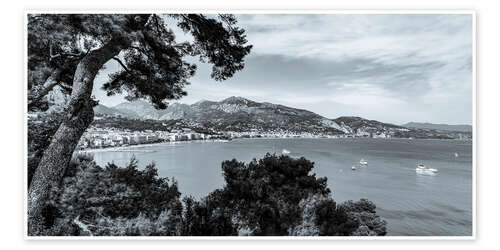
[
  {"x": 362, "y": 162},
  {"x": 285, "y": 152},
  {"x": 456, "y": 154},
  {"x": 422, "y": 169}
]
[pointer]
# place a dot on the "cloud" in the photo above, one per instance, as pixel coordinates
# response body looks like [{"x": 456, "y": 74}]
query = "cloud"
[{"x": 418, "y": 66}]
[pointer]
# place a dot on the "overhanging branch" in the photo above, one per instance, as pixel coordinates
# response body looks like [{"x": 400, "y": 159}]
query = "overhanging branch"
[{"x": 121, "y": 63}]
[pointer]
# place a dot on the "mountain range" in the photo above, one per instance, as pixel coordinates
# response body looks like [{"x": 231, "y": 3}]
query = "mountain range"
[
  {"x": 240, "y": 114},
  {"x": 230, "y": 114},
  {"x": 442, "y": 127}
]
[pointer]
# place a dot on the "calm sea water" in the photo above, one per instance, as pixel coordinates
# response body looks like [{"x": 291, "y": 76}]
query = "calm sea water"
[{"x": 412, "y": 204}]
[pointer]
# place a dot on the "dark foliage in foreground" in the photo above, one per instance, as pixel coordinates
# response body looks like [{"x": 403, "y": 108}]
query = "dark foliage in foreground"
[
  {"x": 208, "y": 217},
  {"x": 40, "y": 132},
  {"x": 266, "y": 193},
  {"x": 276, "y": 195},
  {"x": 67, "y": 51},
  {"x": 333, "y": 220},
  {"x": 114, "y": 201},
  {"x": 262, "y": 196}
]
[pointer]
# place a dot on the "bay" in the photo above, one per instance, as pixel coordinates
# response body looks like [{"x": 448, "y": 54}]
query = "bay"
[{"x": 412, "y": 204}]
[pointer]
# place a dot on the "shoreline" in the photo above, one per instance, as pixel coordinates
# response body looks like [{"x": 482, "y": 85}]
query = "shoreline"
[{"x": 130, "y": 148}]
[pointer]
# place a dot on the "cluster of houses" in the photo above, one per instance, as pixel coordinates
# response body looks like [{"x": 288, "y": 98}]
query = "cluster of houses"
[
  {"x": 255, "y": 133},
  {"x": 371, "y": 134},
  {"x": 276, "y": 134},
  {"x": 111, "y": 137}
]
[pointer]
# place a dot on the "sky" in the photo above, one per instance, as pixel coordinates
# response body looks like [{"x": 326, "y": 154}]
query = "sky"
[{"x": 392, "y": 68}]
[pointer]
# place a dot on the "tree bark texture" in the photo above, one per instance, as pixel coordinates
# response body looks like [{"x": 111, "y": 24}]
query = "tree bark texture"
[{"x": 79, "y": 115}]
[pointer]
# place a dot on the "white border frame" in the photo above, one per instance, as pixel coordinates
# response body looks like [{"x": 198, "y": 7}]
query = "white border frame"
[{"x": 252, "y": 238}]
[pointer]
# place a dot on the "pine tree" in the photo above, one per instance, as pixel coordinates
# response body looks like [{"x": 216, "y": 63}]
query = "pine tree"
[{"x": 69, "y": 50}]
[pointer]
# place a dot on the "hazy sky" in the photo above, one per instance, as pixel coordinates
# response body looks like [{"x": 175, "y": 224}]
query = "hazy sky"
[{"x": 391, "y": 68}]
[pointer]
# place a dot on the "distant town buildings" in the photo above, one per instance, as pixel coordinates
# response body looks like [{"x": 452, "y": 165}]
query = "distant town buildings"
[
  {"x": 111, "y": 137},
  {"x": 98, "y": 137}
]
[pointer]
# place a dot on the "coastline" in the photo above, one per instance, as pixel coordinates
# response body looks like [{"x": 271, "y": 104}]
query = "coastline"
[
  {"x": 130, "y": 148},
  {"x": 137, "y": 148}
]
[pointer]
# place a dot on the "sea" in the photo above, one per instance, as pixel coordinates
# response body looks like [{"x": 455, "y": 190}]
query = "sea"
[{"x": 412, "y": 204}]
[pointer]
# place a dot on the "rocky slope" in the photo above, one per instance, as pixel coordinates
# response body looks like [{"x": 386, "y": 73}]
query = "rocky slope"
[
  {"x": 233, "y": 113},
  {"x": 354, "y": 125},
  {"x": 242, "y": 115}
]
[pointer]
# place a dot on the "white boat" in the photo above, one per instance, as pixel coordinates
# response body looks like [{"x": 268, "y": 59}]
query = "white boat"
[
  {"x": 456, "y": 154},
  {"x": 353, "y": 168},
  {"x": 422, "y": 169},
  {"x": 285, "y": 152},
  {"x": 363, "y": 162}
]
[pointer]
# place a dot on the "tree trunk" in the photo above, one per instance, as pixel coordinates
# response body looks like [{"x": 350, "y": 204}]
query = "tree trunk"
[{"x": 79, "y": 115}]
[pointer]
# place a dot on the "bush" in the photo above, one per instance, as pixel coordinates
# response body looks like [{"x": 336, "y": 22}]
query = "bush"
[
  {"x": 208, "y": 217},
  {"x": 260, "y": 198},
  {"x": 362, "y": 205},
  {"x": 276, "y": 195},
  {"x": 267, "y": 193},
  {"x": 308, "y": 226},
  {"x": 363, "y": 212},
  {"x": 333, "y": 220},
  {"x": 108, "y": 197}
]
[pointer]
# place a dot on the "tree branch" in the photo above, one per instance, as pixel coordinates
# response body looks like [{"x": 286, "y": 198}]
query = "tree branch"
[
  {"x": 228, "y": 23},
  {"x": 139, "y": 49},
  {"x": 121, "y": 63},
  {"x": 68, "y": 54},
  {"x": 82, "y": 226}
]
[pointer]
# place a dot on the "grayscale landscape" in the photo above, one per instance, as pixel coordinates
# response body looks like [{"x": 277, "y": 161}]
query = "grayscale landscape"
[{"x": 250, "y": 125}]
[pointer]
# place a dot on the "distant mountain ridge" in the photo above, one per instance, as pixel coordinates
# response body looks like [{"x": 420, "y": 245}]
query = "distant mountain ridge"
[
  {"x": 110, "y": 111},
  {"x": 442, "y": 127},
  {"x": 242, "y": 115}
]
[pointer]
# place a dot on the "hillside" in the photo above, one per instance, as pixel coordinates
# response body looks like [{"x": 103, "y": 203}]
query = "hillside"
[
  {"x": 103, "y": 110},
  {"x": 239, "y": 114},
  {"x": 233, "y": 114},
  {"x": 357, "y": 124},
  {"x": 441, "y": 127}
]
